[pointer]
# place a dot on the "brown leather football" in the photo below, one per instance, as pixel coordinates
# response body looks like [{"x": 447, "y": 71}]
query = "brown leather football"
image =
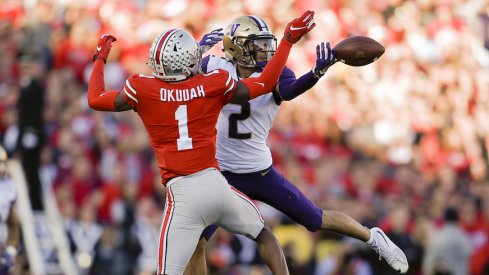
[{"x": 358, "y": 50}]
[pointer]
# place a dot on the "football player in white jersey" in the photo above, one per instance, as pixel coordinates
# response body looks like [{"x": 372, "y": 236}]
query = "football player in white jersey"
[
  {"x": 9, "y": 225},
  {"x": 243, "y": 155}
]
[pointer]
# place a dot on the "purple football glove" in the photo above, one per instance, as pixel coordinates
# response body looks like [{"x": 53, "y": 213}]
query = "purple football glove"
[
  {"x": 325, "y": 58},
  {"x": 210, "y": 39}
]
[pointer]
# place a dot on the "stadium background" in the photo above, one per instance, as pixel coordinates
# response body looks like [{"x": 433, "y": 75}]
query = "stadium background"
[{"x": 394, "y": 143}]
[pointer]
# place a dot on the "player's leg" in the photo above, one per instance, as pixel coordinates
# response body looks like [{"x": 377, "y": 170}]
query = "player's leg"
[
  {"x": 241, "y": 216},
  {"x": 267, "y": 246},
  {"x": 192, "y": 203},
  {"x": 275, "y": 190},
  {"x": 342, "y": 223},
  {"x": 180, "y": 231},
  {"x": 270, "y": 187},
  {"x": 197, "y": 264},
  {"x": 271, "y": 252}
]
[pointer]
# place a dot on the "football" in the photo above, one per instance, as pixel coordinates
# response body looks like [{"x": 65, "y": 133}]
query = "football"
[{"x": 358, "y": 50}]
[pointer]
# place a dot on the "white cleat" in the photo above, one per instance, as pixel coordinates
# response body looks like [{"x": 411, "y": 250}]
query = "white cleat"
[{"x": 386, "y": 249}]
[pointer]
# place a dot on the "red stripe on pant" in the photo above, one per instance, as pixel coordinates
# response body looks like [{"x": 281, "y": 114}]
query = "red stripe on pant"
[
  {"x": 243, "y": 195},
  {"x": 168, "y": 213}
]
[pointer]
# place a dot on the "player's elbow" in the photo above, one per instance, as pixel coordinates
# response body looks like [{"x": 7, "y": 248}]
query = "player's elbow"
[
  {"x": 92, "y": 98},
  {"x": 94, "y": 104},
  {"x": 287, "y": 89},
  {"x": 91, "y": 103},
  {"x": 102, "y": 100}
]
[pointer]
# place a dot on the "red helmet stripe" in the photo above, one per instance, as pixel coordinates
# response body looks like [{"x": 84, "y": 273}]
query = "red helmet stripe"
[{"x": 161, "y": 45}]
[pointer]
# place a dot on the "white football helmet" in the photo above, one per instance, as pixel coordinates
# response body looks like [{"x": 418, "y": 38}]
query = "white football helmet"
[
  {"x": 249, "y": 42},
  {"x": 175, "y": 56}
]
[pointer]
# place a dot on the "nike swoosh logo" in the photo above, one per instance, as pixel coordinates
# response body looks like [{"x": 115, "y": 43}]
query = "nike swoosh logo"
[
  {"x": 101, "y": 95},
  {"x": 99, "y": 48},
  {"x": 292, "y": 28},
  {"x": 261, "y": 84},
  {"x": 263, "y": 173},
  {"x": 383, "y": 237}
]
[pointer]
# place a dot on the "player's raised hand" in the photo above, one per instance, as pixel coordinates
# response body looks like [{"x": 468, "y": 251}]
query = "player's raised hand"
[
  {"x": 103, "y": 47},
  {"x": 325, "y": 58},
  {"x": 210, "y": 39},
  {"x": 299, "y": 27}
]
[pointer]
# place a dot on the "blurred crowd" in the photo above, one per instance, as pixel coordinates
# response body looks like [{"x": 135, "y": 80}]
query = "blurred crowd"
[{"x": 401, "y": 143}]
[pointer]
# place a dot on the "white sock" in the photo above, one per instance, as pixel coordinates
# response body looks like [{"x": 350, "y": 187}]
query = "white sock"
[{"x": 371, "y": 239}]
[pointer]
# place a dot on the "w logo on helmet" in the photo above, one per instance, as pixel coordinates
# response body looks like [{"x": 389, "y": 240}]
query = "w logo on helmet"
[
  {"x": 246, "y": 38},
  {"x": 234, "y": 28}
]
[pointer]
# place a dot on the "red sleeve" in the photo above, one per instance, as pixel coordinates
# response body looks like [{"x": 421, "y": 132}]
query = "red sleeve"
[
  {"x": 98, "y": 98},
  {"x": 130, "y": 94},
  {"x": 266, "y": 82}
]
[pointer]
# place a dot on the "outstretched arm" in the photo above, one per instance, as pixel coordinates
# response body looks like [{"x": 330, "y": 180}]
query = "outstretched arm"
[
  {"x": 98, "y": 98},
  {"x": 254, "y": 87},
  {"x": 289, "y": 87}
]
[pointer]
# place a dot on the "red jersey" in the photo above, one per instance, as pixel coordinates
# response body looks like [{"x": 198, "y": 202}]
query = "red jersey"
[{"x": 181, "y": 118}]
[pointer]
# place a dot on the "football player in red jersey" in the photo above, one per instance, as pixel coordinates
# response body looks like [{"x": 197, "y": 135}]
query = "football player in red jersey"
[{"x": 179, "y": 108}]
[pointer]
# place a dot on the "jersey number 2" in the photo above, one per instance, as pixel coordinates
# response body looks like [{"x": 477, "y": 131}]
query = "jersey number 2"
[
  {"x": 183, "y": 142},
  {"x": 233, "y": 122}
]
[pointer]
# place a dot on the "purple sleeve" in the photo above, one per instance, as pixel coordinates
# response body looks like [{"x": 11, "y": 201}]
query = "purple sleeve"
[
  {"x": 289, "y": 87},
  {"x": 205, "y": 62}
]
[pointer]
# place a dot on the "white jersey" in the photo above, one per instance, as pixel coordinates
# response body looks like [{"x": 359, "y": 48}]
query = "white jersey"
[
  {"x": 242, "y": 131},
  {"x": 8, "y": 194}
]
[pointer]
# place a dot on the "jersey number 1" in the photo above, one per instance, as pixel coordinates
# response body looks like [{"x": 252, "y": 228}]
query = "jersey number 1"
[{"x": 183, "y": 142}]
